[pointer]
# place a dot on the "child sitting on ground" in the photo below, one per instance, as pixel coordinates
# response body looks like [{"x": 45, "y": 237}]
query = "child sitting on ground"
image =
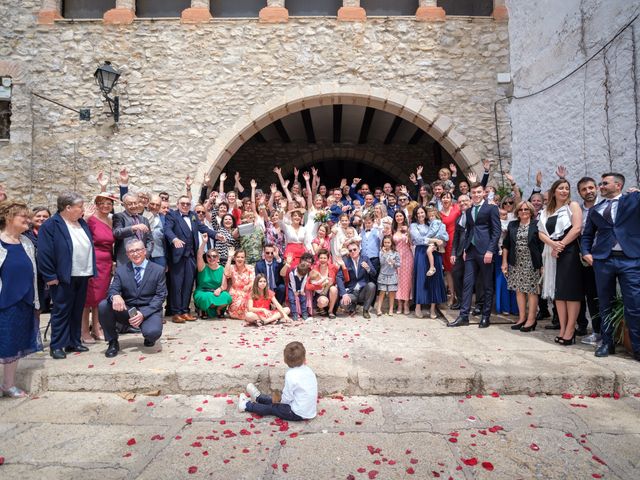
[
  {"x": 299, "y": 395},
  {"x": 434, "y": 226},
  {"x": 259, "y": 308}
]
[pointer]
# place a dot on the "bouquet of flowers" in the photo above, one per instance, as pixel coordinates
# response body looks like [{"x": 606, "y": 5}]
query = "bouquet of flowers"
[{"x": 323, "y": 216}]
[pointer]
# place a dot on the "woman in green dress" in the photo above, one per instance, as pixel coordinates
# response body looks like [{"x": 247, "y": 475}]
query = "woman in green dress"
[{"x": 210, "y": 295}]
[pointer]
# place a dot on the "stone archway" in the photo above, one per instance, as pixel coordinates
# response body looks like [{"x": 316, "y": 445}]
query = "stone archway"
[{"x": 438, "y": 126}]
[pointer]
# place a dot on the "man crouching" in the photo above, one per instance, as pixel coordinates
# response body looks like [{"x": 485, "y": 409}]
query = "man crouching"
[{"x": 135, "y": 297}]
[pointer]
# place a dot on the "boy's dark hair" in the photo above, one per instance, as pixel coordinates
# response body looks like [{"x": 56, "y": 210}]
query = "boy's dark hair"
[{"x": 294, "y": 354}]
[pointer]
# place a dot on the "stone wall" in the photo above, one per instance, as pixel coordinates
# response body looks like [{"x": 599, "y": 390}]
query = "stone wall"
[
  {"x": 184, "y": 86},
  {"x": 588, "y": 122}
]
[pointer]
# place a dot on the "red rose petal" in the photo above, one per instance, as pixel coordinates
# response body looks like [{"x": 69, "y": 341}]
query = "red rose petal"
[
  {"x": 598, "y": 459},
  {"x": 410, "y": 471},
  {"x": 131, "y": 441},
  {"x": 1, "y": 460},
  {"x": 274, "y": 466},
  {"x": 372, "y": 474},
  {"x": 534, "y": 447},
  {"x": 567, "y": 396},
  {"x": 471, "y": 462},
  {"x": 487, "y": 466},
  {"x": 285, "y": 466},
  {"x": 361, "y": 470},
  {"x": 192, "y": 469},
  {"x": 413, "y": 461}
]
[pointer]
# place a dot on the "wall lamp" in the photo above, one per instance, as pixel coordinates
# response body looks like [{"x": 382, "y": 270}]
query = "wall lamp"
[{"x": 106, "y": 78}]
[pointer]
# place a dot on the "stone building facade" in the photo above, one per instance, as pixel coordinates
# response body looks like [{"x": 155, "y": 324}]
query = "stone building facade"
[{"x": 195, "y": 88}]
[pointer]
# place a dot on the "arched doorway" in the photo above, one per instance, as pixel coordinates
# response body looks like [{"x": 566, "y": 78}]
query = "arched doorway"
[{"x": 438, "y": 127}]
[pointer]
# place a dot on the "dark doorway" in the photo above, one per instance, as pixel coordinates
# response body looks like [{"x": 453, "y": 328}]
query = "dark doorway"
[{"x": 332, "y": 171}]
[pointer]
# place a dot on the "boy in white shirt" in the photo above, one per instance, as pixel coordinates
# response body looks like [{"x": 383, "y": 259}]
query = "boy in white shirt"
[{"x": 299, "y": 395}]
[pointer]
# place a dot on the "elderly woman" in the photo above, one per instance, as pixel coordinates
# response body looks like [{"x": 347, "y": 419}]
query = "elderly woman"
[
  {"x": 39, "y": 215},
  {"x": 19, "y": 329},
  {"x": 67, "y": 261},
  {"x": 98, "y": 217},
  {"x": 521, "y": 264}
]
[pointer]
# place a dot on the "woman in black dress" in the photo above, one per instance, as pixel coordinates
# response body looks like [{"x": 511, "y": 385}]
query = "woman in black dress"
[{"x": 559, "y": 228}]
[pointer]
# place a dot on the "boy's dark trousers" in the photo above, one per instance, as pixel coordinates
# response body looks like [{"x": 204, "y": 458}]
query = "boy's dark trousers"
[{"x": 264, "y": 406}]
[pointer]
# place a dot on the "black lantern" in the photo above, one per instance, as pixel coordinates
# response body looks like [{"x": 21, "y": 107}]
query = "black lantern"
[{"x": 106, "y": 78}]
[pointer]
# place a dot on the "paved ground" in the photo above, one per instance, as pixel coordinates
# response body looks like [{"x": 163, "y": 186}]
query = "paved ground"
[
  {"x": 382, "y": 356},
  {"x": 104, "y": 436}
]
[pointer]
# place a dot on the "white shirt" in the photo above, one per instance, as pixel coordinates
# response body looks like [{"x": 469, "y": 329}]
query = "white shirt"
[
  {"x": 82, "y": 251},
  {"x": 301, "y": 391},
  {"x": 142, "y": 267},
  {"x": 614, "y": 212},
  {"x": 187, "y": 219}
]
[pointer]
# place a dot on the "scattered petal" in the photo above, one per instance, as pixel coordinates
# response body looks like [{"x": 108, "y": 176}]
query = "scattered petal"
[
  {"x": 131, "y": 441},
  {"x": 487, "y": 466},
  {"x": 192, "y": 469},
  {"x": 471, "y": 462}
]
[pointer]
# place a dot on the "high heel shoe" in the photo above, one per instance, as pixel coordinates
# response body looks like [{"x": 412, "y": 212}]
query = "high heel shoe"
[
  {"x": 518, "y": 326},
  {"x": 531, "y": 328},
  {"x": 566, "y": 342},
  {"x": 557, "y": 339}
]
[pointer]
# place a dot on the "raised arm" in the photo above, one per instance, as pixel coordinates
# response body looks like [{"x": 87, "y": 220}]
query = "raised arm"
[
  {"x": 306, "y": 177},
  {"x": 237, "y": 185},
  {"x": 284, "y": 183},
  {"x": 200, "y": 254}
]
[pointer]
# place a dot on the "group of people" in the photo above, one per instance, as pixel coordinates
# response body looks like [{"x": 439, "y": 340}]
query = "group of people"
[{"x": 300, "y": 249}]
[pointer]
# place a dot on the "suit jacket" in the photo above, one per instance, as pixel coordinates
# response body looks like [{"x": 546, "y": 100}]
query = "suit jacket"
[
  {"x": 459, "y": 238},
  {"x": 176, "y": 227},
  {"x": 600, "y": 235},
  {"x": 486, "y": 229},
  {"x": 122, "y": 231},
  {"x": 148, "y": 297},
  {"x": 533, "y": 241},
  {"x": 261, "y": 267},
  {"x": 55, "y": 249},
  {"x": 362, "y": 278}
]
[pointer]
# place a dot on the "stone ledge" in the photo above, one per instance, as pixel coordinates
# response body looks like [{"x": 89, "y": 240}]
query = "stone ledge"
[
  {"x": 430, "y": 14},
  {"x": 195, "y": 15},
  {"x": 352, "y": 14},
  {"x": 274, "y": 15},
  {"x": 48, "y": 17},
  {"x": 119, "y": 16}
]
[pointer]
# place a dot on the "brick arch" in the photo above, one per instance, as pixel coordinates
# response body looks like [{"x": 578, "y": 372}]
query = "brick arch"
[
  {"x": 440, "y": 127},
  {"x": 9, "y": 68}
]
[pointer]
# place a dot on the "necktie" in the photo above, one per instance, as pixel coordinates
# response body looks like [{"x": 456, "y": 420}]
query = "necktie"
[
  {"x": 272, "y": 284},
  {"x": 475, "y": 215},
  {"x": 136, "y": 221},
  {"x": 607, "y": 214},
  {"x": 138, "y": 275}
]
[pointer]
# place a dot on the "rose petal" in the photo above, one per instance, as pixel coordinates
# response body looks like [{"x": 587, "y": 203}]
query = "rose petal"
[
  {"x": 372, "y": 474},
  {"x": 192, "y": 469},
  {"x": 131, "y": 441},
  {"x": 410, "y": 471},
  {"x": 534, "y": 447},
  {"x": 285, "y": 466},
  {"x": 487, "y": 466},
  {"x": 471, "y": 462}
]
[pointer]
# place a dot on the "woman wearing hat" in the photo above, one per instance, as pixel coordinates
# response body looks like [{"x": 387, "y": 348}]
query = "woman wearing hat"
[{"x": 98, "y": 217}]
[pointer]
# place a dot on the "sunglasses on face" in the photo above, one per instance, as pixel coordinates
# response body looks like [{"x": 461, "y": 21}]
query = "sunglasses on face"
[
  {"x": 200, "y": 212},
  {"x": 353, "y": 249},
  {"x": 524, "y": 210},
  {"x": 212, "y": 256},
  {"x": 184, "y": 203},
  {"x": 508, "y": 203}
]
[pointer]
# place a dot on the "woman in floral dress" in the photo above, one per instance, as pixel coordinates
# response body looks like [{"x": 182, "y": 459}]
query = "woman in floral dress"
[
  {"x": 405, "y": 273},
  {"x": 240, "y": 277}
]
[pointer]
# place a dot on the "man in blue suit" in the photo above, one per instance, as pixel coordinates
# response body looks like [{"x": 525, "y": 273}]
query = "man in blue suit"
[
  {"x": 611, "y": 243},
  {"x": 360, "y": 286},
  {"x": 270, "y": 267},
  {"x": 482, "y": 232},
  {"x": 138, "y": 284},
  {"x": 181, "y": 231}
]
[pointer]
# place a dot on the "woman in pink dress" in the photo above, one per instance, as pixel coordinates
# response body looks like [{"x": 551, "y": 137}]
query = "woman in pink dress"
[
  {"x": 405, "y": 273},
  {"x": 240, "y": 278},
  {"x": 99, "y": 221},
  {"x": 449, "y": 214}
]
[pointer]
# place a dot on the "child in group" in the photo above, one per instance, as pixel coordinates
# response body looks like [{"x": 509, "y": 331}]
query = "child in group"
[
  {"x": 296, "y": 289},
  {"x": 259, "y": 308},
  {"x": 299, "y": 395},
  {"x": 434, "y": 226},
  {"x": 388, "y": 276},
  {"x": 350, "y": 234}
]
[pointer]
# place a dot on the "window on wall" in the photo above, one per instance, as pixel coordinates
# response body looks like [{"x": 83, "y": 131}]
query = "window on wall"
[
  {"x": 236, "y": 8},
  {"x": 161, "y": 8},
  {"x": 386, "y": 8},
  {"x": 307, "y": 8},
  {"x": 86, "y": 8},
  {"x": 467, "y": 7}
]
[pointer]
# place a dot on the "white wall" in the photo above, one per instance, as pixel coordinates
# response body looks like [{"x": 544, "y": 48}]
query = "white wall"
[{"x": 577, "y": 123}]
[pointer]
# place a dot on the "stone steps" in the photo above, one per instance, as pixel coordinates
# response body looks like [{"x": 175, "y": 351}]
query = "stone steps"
[{"x": 383, "y": 356}]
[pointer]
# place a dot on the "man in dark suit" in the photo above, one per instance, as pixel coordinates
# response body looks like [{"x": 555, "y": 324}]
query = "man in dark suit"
[
  {"x": 130, "y": 224},
  {"x": 181, "y": 231},
  {"x": 138, "y": 284},
  {"x": 270, "y": 267},
  {"x": 611, "y": 243},
  {"x": 360, "y": 287},
  {"x": 482, "y": 232},
  {"x": 457, "y": 251}
]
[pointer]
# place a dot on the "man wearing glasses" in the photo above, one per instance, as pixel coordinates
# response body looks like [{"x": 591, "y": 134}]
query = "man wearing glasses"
[
  {"x": 270, "y": 266},
  {"x": 135, "y": 298},
  {"x": 358, "y": 286},
  {"x": 130, "y": 224},
  {"x": 182, "y": 228}
]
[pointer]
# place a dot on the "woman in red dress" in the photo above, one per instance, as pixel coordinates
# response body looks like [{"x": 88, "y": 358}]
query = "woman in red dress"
[
  {"x": 99, "y": 220},
  {"x": 449, "y": 214}
]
